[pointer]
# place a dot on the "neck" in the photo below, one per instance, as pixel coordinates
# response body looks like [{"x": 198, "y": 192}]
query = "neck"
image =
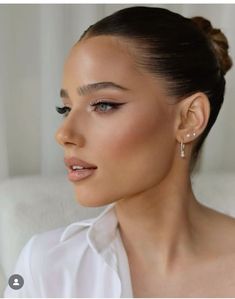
[{"x": 159, "y": 225}]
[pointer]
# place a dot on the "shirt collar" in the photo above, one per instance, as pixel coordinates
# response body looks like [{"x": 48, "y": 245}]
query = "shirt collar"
[{"x": 101, "y": 230}]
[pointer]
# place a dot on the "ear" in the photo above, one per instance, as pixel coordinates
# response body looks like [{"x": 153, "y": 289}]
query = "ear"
[{"x": 192, "y": 116}]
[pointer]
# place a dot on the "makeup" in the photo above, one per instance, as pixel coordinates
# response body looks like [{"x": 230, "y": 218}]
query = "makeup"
[{"x": 79, "y": 174}]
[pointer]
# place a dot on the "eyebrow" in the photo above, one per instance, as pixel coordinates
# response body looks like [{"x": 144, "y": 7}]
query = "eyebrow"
[{"x": 89, "y": 88}]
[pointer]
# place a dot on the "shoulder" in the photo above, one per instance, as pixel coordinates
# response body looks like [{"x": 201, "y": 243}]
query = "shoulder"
[
  {"x": 48, "y": 257},
  {"x": 220, "y": 229},
  {"x": 217, "y": 257}
]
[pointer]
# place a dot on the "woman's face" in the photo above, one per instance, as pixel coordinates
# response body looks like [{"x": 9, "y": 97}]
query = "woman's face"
[{"x": 132, "y": 146}]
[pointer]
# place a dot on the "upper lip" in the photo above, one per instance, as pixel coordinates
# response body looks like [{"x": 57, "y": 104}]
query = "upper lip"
[{"x": 73, "y": 161}]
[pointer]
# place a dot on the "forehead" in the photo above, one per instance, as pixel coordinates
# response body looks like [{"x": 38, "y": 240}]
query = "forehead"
[
  {"x": 101, "y": 58},
  {"x": 109, "y": 58}
]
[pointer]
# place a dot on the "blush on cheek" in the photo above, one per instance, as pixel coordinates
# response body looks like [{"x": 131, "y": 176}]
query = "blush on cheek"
[
  {"x": 134, "y": 132},
  {"x": 140, "y": 148}
]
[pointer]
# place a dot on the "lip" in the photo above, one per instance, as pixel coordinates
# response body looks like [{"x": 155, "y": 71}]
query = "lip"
[
  {"x": 77, "y": 175},
  {"x": 73, "y": 161}
]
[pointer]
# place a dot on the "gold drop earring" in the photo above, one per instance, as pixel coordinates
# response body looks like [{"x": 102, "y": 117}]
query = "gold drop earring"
[{"x": 182, "y": 146}]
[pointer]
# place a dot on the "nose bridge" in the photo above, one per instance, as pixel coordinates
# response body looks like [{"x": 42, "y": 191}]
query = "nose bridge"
[{"x": 69, "y": 132}]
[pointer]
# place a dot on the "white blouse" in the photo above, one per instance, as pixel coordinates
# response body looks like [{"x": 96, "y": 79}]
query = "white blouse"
[{"x": 85, "y": 259}]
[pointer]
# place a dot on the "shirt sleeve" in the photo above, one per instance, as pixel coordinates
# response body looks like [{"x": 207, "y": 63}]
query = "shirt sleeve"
[{"x": 23, "y": 268}]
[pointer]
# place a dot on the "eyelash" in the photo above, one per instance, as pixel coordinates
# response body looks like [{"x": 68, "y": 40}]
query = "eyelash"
[{"x": 65, "y": 109}]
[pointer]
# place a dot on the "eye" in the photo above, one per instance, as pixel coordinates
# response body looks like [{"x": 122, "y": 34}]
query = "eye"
[
  {"x": 102, "y": 104},
  {"x": 63, "y": 110}
]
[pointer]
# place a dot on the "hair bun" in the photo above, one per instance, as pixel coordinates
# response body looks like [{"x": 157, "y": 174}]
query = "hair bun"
[{"x": 219, "y": 42}]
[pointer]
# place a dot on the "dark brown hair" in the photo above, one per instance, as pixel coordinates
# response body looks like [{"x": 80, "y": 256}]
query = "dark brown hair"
[{"x": 188, "y": 53}]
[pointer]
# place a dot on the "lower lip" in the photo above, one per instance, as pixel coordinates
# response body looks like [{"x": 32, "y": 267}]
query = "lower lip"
[{"x": 77, "y": 175}]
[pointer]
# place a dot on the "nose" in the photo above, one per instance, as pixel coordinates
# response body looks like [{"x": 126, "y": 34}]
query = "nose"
[{"x": 66, "y": 135}]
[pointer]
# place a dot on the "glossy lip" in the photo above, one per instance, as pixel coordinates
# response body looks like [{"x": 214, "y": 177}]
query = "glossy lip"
[
  {"x": 75, "y": 176},
  {"x": 73, "y": 161}
]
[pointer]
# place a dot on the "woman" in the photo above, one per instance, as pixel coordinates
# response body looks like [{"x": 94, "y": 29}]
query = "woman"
[{"x": 141, "y": 90}]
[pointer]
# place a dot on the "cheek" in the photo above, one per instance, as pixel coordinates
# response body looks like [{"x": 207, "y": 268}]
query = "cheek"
[
  {"x": 133, "y": 155},
  {"x": 139, "y": 144}
]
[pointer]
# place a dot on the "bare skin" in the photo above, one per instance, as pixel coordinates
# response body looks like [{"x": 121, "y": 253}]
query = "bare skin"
[
  {"x": 205, "y": 271},
  {"x": 176, "y": 246}
]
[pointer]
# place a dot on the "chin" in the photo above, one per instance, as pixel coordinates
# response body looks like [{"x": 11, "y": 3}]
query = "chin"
[{"x": 93, "y": 202}]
